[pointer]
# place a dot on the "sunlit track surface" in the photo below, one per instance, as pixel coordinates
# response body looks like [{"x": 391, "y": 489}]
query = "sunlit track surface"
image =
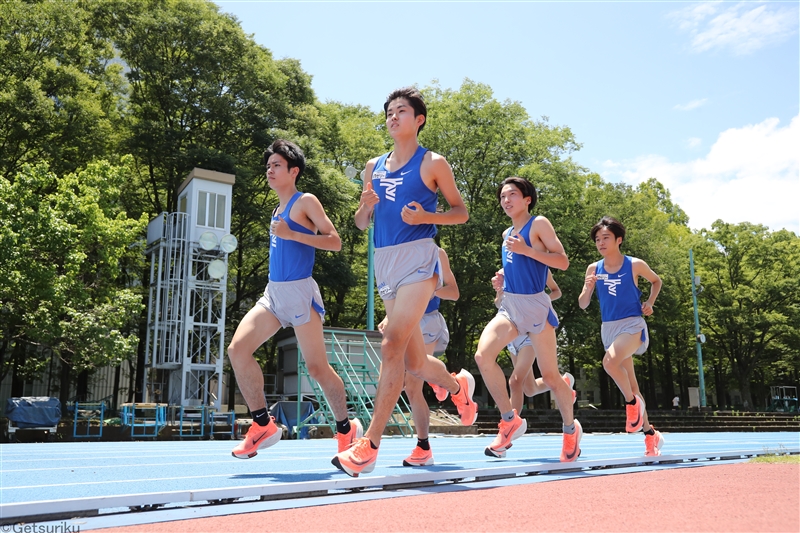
[{"x": 58, "y": 480}]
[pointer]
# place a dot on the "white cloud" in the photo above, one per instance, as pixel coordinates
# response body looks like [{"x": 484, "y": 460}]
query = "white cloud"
[
  {"x": 694, "y": 142},
  {"x": 743, "y": 28},
  {"x": 750, "y": 174},
  {"x": 694, "y": 104}
]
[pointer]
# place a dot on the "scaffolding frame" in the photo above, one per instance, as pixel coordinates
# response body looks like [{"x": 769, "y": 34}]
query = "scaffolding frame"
[
  {"x": 357, "y": 362},
  {"x": 185, "y": 318}
]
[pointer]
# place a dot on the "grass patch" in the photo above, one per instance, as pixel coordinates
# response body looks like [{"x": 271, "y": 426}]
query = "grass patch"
[{"x": 791, "y": 459}]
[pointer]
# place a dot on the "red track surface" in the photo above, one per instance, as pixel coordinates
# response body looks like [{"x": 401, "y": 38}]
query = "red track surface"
[{"x": 743, "y": 497}]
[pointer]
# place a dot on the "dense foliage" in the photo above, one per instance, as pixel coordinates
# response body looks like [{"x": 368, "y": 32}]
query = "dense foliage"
[{"x": 105, "y": 107}]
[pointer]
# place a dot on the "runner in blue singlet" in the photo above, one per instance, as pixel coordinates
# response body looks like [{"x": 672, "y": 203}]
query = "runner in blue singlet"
[
  {"x": 400, "y": 192},
  {"x": 292, "y": 298},
  {"x": 530, "y": 248},
  {"x": 624, "y": 330}
]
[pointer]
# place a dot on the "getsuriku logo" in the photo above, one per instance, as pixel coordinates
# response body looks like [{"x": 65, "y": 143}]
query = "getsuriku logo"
[
  {"x": 612, "y": 285},
  {"x": 391, "y": 184}
]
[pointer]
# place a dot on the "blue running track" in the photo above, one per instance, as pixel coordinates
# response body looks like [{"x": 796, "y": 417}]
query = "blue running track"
[{"x": 123, "y": 483}]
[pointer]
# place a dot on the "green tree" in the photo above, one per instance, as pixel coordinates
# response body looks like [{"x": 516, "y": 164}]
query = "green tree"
[
  {"x": 202, "y": 93},
  {"x": 66, "y": 271},
  {"x": 59, "y": 90},
  {"x": 750, "y": 302}
]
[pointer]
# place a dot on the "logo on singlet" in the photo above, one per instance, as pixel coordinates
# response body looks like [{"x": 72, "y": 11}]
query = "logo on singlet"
[
  {"x": 509, "y": 256},
  {"x": 390, "y": 184},
  {"x": 612, "y": 285}
]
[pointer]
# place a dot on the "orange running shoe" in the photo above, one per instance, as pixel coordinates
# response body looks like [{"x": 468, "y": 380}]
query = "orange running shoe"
[
  {"x": 419, "y": 457},
  {"x": 357, "y": 459},
  {"x": 509, "y": 431},
  {"x": 635, "y": 415},
  {"x": 467, "y": 408},
  {"x": 570, "y": 379},
  {"x": 571, "y": 448},
  {"x": 441, "y": 393},
  {"x": 257, "y": 438},
  {"x": 653, "y": 444},
  {"x": 344, "y": 440}
]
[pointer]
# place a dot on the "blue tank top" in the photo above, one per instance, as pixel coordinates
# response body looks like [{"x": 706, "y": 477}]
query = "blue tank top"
[
  {"x": 618, "y": 294},
  {"x": 396, "y": 190},
  {"x": 290, "y": 260},
  {"x": 433, "y": 305},
  {"x": 523, "y": 275}
]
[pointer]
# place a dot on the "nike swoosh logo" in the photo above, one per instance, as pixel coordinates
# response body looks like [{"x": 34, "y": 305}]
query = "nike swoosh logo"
[
  {"x": 404, "y": 173},
  {"x": 422, "y": 271},
  {"x": 537, "y": 325},
  {"x": 571, "y": 455},
  {"x": 359, "y": 463},
  {"x": 634, "y": 424},
  {"x": 298, "y": 316},
  {"x": 255, "y": 441}
]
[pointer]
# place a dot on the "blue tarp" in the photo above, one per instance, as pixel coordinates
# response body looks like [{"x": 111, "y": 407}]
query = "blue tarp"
[
  {"x": 32, "y": 411},
  {"x": 286, "y": 414}
]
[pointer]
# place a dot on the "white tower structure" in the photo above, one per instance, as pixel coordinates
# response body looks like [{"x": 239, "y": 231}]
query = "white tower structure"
[{"x": 188, "y": 253}]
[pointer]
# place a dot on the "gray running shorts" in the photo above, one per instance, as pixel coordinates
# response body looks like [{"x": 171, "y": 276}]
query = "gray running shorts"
[
  {"x": 434, "y": 329},
  {"x": 634, "y": 325},
  {"x": 404, "y": 264},
  {"x": 528, "y": 312},
  {"x": 292, "y": 301},
  {"x": 517, "y": 344}
]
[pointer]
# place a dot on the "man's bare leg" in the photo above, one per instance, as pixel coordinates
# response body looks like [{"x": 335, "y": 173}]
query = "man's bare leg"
[
  {"x": 312, "y": 346},
  {"x": 497, "y": 334},
  {"x": 621, "y": 349},
  {"x": 544, "y": 344},
  {"x": 405, "y": 313},
  {"x": 522, "y": 381},
  {"x": 257, "y": 327},
  {"x": 426, "y": 367}
]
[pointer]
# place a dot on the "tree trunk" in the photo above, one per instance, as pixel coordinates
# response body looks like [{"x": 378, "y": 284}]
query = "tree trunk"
[
  {"x": 66, "y": 383},
  {"x": 744, "y": 388},
  {"x": 668, "y": 384},
  {"x": 231, "y": 390},
  {"x": 17, "y": 382},
  {"x": 722, "y": 393},
  {"x": 605, "y": 396},
  {"x": 82, "y": 392},
  {"x": 115, "y": 398},
  {"x": 650, "y": 382}
]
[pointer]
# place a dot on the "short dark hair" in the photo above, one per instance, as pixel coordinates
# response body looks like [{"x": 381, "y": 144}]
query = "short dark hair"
[
  {"x": 525, "y": 187},
  {"x": 611, "y": 224},
  {"x": 415, "y": 100},
  {"x": 290, "y": 152}
]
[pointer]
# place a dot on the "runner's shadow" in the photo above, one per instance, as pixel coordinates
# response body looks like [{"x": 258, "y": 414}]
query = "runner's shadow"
[
  {"x": 432, "y": 468},
  {"x": 289, "y": 477}
]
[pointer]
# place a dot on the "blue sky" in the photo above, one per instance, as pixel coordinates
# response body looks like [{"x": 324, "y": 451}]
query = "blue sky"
[{"x": 702, "y": 96}]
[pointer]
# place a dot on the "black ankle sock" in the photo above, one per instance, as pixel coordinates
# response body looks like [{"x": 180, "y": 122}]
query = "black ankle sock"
[
  {"x": 372, "y": 445},
  {"x": 260, "y": 416},
  {"x": 651, "y": 431},
  {"x": 632, "y": 402},
  {"x": 343, "y": 426},
  {"x": 424, "y": 444}
]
